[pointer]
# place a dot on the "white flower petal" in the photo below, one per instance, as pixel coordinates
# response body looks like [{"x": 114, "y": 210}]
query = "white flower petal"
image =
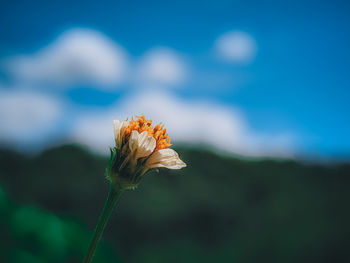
[
  {"x": 167, "y": 158},
  {"x": 142, "y": 143},
  {"x": 133, "y": 140},
  {"x": 123, "y": 127},
  {"x": 119, "y": 128},
  {"x": 146, "y": 145}
]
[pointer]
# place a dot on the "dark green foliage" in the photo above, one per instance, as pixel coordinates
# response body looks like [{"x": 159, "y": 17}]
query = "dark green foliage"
[
  {"x": 29, "y": 234},
  {"x": 218, "y": 209}
]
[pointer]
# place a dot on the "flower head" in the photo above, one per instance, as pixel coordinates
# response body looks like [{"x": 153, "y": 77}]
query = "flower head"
[{"x": 139, "y": 147}]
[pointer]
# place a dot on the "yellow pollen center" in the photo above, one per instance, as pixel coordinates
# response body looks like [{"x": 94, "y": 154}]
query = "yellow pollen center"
[{"x": 158, "y": 132}]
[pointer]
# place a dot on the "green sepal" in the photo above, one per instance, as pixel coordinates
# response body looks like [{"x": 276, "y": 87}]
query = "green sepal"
[{"x": 112, "y": 160}]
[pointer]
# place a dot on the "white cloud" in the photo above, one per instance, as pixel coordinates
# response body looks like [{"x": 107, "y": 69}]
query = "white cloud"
[
  {"x": 78, "y": 56},
  {"x": 236, "y": 47},
  {"x": 95, "y": 130},
  {"x": 162, "y": 66},
  {"x": 188, "y": 122},
  {"x": 86, "y": 56},
  {"x": 27, "y": 117}
]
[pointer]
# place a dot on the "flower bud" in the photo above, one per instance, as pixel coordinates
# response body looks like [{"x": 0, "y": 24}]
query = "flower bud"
[{"x": 139, "y": 148}]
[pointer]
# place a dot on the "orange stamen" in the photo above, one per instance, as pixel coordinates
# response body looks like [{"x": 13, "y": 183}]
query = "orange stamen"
[{"x": 158, "y": 132}]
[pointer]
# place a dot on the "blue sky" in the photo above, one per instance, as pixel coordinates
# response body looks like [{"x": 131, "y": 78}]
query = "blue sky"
[{"x": 294, "y": 86}]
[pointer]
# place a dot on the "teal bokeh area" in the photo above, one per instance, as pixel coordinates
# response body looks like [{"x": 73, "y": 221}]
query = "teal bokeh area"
[
  {"x": 218, "y": 209},
  {"x": 267, "y": 80}
]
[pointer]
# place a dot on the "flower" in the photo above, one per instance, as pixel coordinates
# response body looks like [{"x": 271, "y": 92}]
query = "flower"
[{"x": 139, "y": 147}]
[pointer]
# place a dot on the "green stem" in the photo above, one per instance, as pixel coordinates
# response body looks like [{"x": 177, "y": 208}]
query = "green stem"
[{"x": 110, "y": 204}]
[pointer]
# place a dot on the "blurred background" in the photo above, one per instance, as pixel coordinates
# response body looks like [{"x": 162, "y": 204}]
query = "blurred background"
[{"x": 254, "y": 94}]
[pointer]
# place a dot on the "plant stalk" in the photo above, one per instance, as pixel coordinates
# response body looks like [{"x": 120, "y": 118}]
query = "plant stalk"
[{"x": 112, "y": 200}]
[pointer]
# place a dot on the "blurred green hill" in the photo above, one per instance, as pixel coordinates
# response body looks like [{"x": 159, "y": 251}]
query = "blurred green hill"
[{"x": 218, "y": 209}]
